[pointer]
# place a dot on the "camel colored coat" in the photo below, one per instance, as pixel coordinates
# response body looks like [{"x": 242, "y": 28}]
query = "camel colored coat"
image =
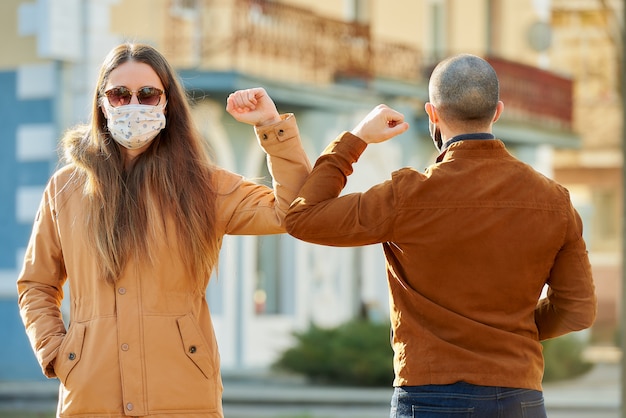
[{"x": 146, "y": 346}]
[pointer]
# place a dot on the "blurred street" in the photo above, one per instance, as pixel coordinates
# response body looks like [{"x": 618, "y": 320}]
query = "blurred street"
[{"x": 594, "y": 395}]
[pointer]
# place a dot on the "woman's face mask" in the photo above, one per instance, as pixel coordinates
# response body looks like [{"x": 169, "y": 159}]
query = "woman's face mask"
[{"x": 133, "y": 126}]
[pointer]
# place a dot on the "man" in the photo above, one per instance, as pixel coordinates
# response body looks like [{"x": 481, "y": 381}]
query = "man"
[{"x": 469, "y": 246}]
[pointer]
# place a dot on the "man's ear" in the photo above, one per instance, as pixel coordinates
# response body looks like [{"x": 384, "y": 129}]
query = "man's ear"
[
  {"x": 499, "y": 109},
  {"x": 431, "y": 110}
]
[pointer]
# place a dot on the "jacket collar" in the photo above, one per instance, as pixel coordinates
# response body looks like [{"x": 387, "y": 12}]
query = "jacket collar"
[{"x": 483, "y": 143}]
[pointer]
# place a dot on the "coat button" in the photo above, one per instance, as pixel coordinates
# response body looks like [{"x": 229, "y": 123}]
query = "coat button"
[
  {"x": 192, "y": 349},
  {"x": 281, "y": 132},
  {"x": 129, "y": 406},
  {"x": 72, "y": 356},
  {"x": 124, "y": 347},
  {"x": 264, "y": 136},
  {"x": 121, "y": 290}
]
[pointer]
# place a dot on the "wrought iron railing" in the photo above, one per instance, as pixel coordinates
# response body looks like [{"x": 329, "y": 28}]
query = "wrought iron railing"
[{"x": 535, "y": 94}]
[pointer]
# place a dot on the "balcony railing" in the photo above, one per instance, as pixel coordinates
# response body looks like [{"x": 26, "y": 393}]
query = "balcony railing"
[
  {"x": 287, "y": 33},
  {"x": 279, "y": 41},
  {"x": 534, "y": 94},
  {"x": 330, "y": 47},
  {"x": 269, "y": 34}
]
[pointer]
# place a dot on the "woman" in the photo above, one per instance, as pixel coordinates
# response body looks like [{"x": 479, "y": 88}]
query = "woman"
[{"x": 134, "y": 223}]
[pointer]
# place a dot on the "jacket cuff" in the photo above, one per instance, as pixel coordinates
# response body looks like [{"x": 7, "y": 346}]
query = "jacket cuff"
[
  {"x": 281, "y": 131},
  {"x": 347, "y": 144}
]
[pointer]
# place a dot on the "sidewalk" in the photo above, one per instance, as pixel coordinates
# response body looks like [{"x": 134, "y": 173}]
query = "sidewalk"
[{"x": 597, "y": 390}]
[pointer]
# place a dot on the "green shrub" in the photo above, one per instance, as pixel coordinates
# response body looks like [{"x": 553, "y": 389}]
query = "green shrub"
[
  {"x": 359, "y": 353},
  {"x": 564, "y": 358},
  {"x": 355, "y": 353}
]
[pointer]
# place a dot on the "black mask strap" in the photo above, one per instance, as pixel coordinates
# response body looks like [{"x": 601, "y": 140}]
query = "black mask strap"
[{"x": 463, "y": 137}]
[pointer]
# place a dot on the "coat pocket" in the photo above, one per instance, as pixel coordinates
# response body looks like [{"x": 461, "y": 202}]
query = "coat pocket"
[
  {"x": 70, "y": 351},
  {"x": 196, "y": 347}
]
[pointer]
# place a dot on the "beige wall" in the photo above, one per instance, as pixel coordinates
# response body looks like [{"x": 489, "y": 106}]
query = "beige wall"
[
  {"x": 404, "y": 24},
  {"x": 516, "y": 19},
  {"x": 139, "y": 20},
  {"x": 16, "y": 50},
  {"x": 467, "y": 26},
  {"x": 330, "y": 8}
]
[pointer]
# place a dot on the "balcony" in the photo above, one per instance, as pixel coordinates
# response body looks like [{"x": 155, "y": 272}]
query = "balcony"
[
  {"x": 532, "y": 94},
  {"x": 290, "y": 44},
  {"x": 269, "y": 37}
]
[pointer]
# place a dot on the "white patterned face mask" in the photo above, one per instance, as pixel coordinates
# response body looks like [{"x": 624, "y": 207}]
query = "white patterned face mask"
[{"x": 134, "y": 125}]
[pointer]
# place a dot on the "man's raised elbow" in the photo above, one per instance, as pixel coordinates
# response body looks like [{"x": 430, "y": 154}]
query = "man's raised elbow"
[
  {"x": 587, "y": 316},
  {"x": 291, "y": 221},
  {"x": 289, "y": 224}
]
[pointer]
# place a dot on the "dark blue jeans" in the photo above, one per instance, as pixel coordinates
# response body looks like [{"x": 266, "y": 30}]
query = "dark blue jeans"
[{"x": 461, "y": 400}]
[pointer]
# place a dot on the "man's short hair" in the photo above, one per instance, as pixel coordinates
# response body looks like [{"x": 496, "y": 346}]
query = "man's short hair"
[{"x": 464, "y": 88}]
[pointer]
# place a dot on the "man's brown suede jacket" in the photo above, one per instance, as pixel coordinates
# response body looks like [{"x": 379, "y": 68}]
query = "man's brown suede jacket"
[{"x": 470, "y": 245}]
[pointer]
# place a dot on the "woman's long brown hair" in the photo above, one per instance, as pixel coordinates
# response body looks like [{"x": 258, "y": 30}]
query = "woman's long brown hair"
[{"x": 171, "y": 179}]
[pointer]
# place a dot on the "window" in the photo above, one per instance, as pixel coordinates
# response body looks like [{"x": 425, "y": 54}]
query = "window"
[
  {"x": 185, "y": 8},
  {"x": 274, "y": 290},
  {"x": 438, "y": 29}
]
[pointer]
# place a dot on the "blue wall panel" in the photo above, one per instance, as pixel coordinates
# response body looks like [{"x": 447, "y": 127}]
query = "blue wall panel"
[
  {"x": 13, "y": 174},
  {"x": 7, "y": 170},
  {"x": 17, "y": 360}
]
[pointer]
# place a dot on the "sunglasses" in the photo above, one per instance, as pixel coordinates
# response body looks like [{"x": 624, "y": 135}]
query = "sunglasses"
[{"x": 121, "y": 96}]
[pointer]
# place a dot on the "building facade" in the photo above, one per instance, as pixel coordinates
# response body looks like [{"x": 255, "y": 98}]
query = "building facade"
[
  {"x": 587, "y": 43},
  {"x": 328, "y": 61}
]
